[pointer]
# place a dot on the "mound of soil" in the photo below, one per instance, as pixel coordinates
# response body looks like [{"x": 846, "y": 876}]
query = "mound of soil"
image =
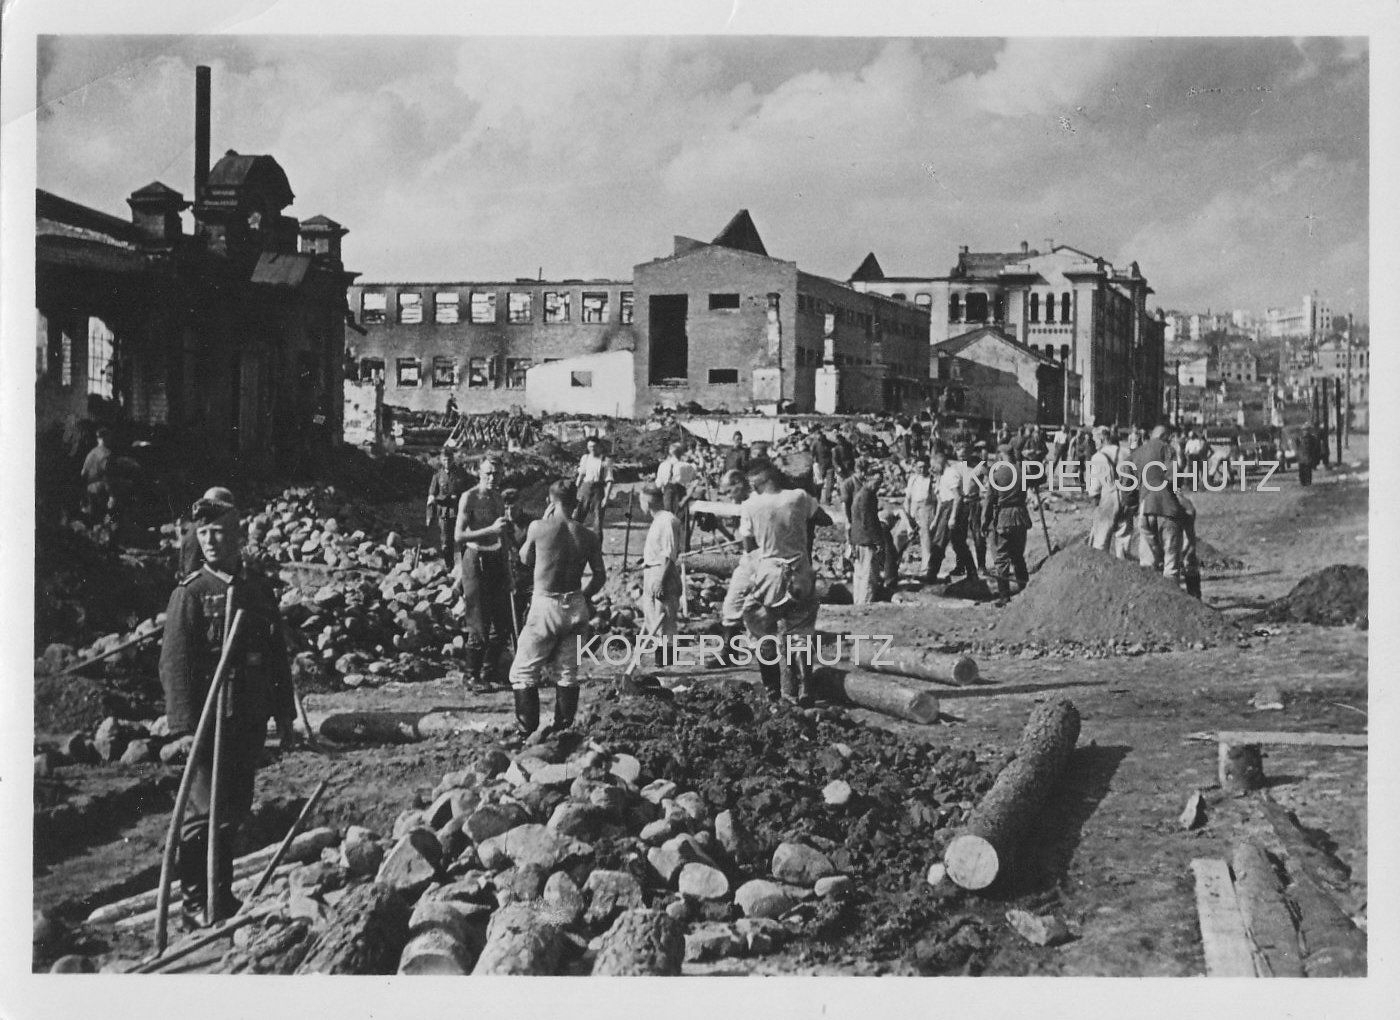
[
  {"x": 63, "y": 704},
  {"x": 769, "y": 770},
  {"x": 1082, "y": 596},
  {"x": 82, "y": 591},
  {"x": 1332, "y": 597}
]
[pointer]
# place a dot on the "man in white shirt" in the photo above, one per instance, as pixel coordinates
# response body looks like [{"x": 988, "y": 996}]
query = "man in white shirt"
[
  {"x": 732, "y": 612},
  {"x": 593, "y": 478},
  {"x": 661, "y": 573},
  {"x": 676, "y": 478},
  {"x": 921, "y": 506},
  {"x": 945, "y": 532},
  {"x": 777, "y": 526},
  {"x": 1112, "y": 530}
]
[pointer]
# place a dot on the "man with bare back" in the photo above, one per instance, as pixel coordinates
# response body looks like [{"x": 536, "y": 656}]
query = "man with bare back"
[{"x": 559, "y": 548}]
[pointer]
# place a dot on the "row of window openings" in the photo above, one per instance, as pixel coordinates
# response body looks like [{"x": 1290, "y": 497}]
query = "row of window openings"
[
  {"x": 101, "y": 359},
  {"x": 862, "y": 320},
  {"x": 481, "y": 308},
  {"x": 491, "y": 373},
  {"x": 975, "y": 306}
]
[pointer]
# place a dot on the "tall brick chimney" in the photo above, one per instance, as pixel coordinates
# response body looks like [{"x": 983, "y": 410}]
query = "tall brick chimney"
[{"x": 201, "y": 129}]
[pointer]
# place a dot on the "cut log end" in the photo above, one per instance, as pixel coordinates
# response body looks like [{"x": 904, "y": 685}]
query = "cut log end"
[
  {"x": 972, "y": 861},
  {"x": 965, "y": 670},
  {"x": 1241, "y": 768}
]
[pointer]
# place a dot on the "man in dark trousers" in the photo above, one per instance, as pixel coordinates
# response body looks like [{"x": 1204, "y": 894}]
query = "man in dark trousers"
[
  {"x": 198, "y": 617},
  {"x": 823, "y": 474},
  {"x": 1309, "y": 454},
  {"x": 558, "y": 548},
  {"x": 484, "y": 578},
  {"x": 1159, "y": 513},
  {"x": 1006, "y": 521},
  {"x": 737, "y": 459},
  {"x": 444, "y": 493}
]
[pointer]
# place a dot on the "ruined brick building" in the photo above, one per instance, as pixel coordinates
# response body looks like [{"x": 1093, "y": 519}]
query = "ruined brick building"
[
  {"x": 231, "y": 334},
  {"x": 720, "y": 323}
]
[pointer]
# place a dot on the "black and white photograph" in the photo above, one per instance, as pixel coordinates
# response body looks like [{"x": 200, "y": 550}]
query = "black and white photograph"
[{"x": 698, "y": 491}]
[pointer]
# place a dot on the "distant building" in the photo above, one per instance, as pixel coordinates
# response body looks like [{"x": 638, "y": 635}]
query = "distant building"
[
  {"x": 1073, "y": 306},
  {"x": 231, "y": 335},
  {"x": 721, "y": 323},
  {"x": 1311, "y": 321},
  {"x": 1003, "y": 380},
  {"x": 476, "y": 341}
]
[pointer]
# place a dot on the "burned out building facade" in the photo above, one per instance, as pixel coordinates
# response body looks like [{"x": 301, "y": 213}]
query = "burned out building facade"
[
  {"x": 231, "y": 334},
  {"x": 721, "y": 324}
]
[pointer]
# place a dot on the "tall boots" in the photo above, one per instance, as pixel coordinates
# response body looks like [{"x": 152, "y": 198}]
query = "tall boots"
[
  {"x": 1193, "y": 585},
  {"x": 1003, "y": 592},
  {"x": 730, "y": 632},
  {"x": 772, "y": 681},
  {"x": 527, "y": 709},
  {"x": 191, "y": 863},
  {"x": 565, "y": 708}
]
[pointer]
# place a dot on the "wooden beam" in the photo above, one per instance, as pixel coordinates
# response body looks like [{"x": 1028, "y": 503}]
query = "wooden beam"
[
  {"x": 1226, "y": 945},
  {"x": 1281, "y": 737}
]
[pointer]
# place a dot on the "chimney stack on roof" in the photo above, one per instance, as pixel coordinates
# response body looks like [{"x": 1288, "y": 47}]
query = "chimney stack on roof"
[
  {"x": 201, "y": 129},
  {"x": 1025, "y": 247}
]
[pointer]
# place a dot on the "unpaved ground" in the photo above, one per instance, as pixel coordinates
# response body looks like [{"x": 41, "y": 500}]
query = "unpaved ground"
[{"x": 1107, "y": 851}]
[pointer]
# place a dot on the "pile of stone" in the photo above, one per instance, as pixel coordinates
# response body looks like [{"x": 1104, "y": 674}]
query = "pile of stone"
[{"x": 115, "y": 741}]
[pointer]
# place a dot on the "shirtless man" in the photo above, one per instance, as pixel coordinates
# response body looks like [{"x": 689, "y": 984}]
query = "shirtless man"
[{"x": 559, "y": 547}]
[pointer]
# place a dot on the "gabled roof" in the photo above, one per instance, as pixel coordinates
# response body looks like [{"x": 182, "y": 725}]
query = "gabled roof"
[
  {"x": 740, "y": 233},
  {"x": 957, "y": 344},
  {"x": 324, "y": 222},
  {"x": 157, "y": 190},
  {"x": 236, "y": 171},
  {"x": 869, "y": 269}
]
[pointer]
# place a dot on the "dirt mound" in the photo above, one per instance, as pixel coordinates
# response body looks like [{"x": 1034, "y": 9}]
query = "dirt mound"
[
  {"x": 82, "y": 591},
  {"x": 1332, "y": 597},
  {"x": 1085, "y": 597},
  {"x": 770, "y": 770},
  {"x": 1212, "y": 558},
  {"x": 63, "y": 704}
]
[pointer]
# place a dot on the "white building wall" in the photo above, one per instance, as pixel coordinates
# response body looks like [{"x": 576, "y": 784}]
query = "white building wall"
[{"x": 589, "y": 384}]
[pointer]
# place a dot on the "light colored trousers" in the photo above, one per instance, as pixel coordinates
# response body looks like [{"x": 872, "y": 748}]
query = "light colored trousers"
[{"x": 548, "y": 640}]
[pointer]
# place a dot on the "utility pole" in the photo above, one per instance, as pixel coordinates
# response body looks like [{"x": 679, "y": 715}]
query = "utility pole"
[
  {"x": 1337, "y": 404},
  {"x": 1346, "y": 421}
]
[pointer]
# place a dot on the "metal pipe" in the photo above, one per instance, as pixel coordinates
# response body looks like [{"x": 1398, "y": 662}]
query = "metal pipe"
[{"x": 182, "y": 796}]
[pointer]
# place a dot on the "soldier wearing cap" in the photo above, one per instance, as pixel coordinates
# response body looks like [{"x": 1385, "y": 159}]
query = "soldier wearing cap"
[
  {"x": 198, "y": 618},
  {"x": 483, "y": 529},
  {"x": 444, "y": 493},
  {"x": 1006, "y": 519}
]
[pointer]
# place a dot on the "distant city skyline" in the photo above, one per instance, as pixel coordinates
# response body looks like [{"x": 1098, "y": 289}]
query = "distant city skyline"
[{"x": 1234, "y": 171}]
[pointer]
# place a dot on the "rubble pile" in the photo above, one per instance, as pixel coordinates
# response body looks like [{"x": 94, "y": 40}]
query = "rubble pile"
[
  {"x": 115, "y": 740},
  {"x": 82, "y": 591},
  {"x": 1333, "y": 597},
  {"x": 723, "y": 831},
  {"x": 1087, "y": 598}
]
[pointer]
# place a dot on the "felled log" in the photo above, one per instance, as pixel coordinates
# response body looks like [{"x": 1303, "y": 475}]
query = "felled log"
[
  {"x": 1241, "y": 768},
  {"x": 1224, "y": 942},
  {"x": 921, "y": 664},
  {"x": 1305, "y": 855},
  {"x": 444, "y": 937},
  {"x": 880, "y": 693},
  {"x": 981, "y": 852},
  {"x": 241, "y": 887},
  {"x": 641, "y": 941},
  {"x": 1266, "y": 915},
  {"x": 371, "y": 727},
  {"x": 1332, "y": 944},
  {"x": 521, "y": 939},
  {"x": 365, "y": 934},
  {"x": 716, "y": 564}
]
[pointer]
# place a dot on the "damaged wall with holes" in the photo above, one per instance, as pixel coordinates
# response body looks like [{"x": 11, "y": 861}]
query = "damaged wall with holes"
[{"x": 475, "y": 342}]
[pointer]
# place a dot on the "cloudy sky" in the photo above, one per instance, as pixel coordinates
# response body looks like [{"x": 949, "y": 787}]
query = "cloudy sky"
[{"x": 1235, "y": 171}]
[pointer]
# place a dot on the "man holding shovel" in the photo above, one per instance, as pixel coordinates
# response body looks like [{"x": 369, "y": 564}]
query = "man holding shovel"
[{"x": 259, "y": 687}]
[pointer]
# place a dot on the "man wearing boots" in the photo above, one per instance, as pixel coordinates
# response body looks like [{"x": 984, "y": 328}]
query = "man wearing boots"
[
  {"x": 484, "y": 579},
  {"x": 661, "y": 572},
  {"x": 444, "y": 493},
  {"x": 1006, "y": 521},
  {"x": 259, "y": 682},
  {"x": 559, "y": 548},
  {"x": 777, "y": 527}
]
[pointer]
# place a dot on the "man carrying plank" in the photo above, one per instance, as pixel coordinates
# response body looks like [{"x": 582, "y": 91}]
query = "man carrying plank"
[{"x": 259, "y": 686}]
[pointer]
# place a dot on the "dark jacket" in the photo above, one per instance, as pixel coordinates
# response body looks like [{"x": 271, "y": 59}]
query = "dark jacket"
[
  {"x": 260, "y": 675},
  {"x": 446, "y": 489},
  {"x": 1152, "y": 468},
  {"x": 865, "y": 518},
  {"x": 1004, "y": 502}
]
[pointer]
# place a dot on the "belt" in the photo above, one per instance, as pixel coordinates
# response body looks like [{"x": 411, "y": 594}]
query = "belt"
[{"x": 558, "y": 596}]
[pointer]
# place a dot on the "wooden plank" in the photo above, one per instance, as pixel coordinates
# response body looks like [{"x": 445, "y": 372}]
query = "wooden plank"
[
  {"x": 1280, "y": 737},
  {"x": 1227, "y": 948}
]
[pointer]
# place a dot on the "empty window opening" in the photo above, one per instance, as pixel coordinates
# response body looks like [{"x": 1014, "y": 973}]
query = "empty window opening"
[
  {"x": 410, "y": 372},
  {"x": 515, "y": 372},
  {"x": 595, "y": 308},
  {"x": 556, "y": 306},
  {"x": 478, "y": 373},
  {"x": 101, "y": 361},
  {"x": 581, "y": 380},
  {"x": 725, "y": 376},
  {"x": 668, "y": 340},
  {"x": 410, "y": 309},
  {"x": 445, "y": 308},
  {"x": 518, "y": 306},
  {"x": 444, "y": 373},
  {"x": 372, "y": 308},
  {"x": 483, "y": 310},
  {"x": 724, "y": 302},
  {"x": 625, "y": 307}
]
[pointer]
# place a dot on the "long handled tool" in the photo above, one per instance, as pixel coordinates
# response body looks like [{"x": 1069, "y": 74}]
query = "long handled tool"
[
  {"x": 214, "y": 843},
  {"x": 1040, "y": 508},
  {"x": 627, "y": 534},
  {"x": 130, "y": 642},
  {"x": 182, "y": 796},
  {"x": 245, "y": 913}
]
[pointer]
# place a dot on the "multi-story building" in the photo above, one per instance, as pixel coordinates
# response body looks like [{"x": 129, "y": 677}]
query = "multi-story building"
[
  {"x": 477, "y": 340},
  {"x": 725, "y": 324},
  {"x": 722, "y": 324},
  {"x": 1075, "y": 307},
  {"x": 231, "y": 335},
  {"x": 1311, "y": 321}
]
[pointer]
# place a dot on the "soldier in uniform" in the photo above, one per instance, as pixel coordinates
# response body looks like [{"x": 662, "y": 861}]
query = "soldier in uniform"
[
  {"x": 1006, "y": 520},
  {"x": 484, "y": 579},
  {"x": 444, "y": 493},
  {"x": 259, "y": 682}
]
